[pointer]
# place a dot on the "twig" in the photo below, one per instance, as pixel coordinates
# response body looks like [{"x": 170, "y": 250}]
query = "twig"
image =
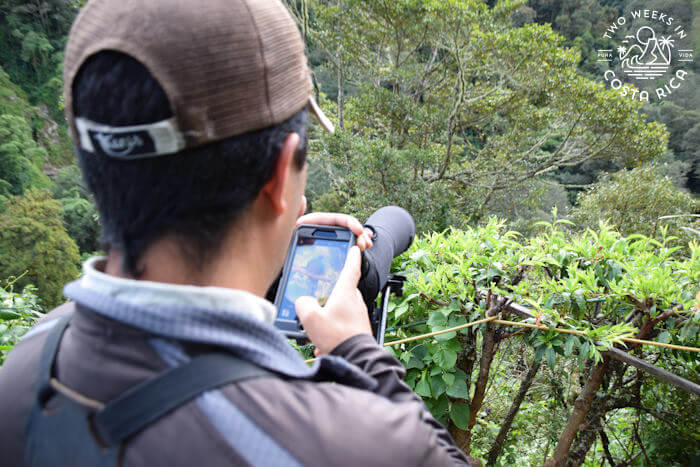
[
  {"x": 433, "y": 299},
  {"x": 437, "y": 333},
  {"x": 641, "y": 445}
]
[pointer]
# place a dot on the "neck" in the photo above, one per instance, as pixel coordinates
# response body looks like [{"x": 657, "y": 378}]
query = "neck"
[{"x": 238, "y": 264}]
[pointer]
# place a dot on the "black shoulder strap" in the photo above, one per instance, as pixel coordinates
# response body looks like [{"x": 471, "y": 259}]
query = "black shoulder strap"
[
  {"x": 48, "y": 356},
  {"x": 153, "y": 398}
]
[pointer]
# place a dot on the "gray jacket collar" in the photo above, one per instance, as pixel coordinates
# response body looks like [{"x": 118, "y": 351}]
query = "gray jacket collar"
[{"x": 137, "y": 292}]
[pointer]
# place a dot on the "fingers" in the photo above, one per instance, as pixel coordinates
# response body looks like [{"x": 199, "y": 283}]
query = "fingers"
[
  {"x": 350, "y": 275},
  {"x": 331, "y": 218},
  {"x": 364, "y": 236},
  {"x": 306, "y": 309},
  {"x": 364, "y": 241}
]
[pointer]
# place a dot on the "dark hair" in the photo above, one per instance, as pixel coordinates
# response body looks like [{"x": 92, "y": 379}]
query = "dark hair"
[{"x": 195, "y": 195}]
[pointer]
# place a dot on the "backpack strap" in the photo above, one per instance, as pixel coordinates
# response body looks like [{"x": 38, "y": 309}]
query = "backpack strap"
[
  {"x": 48, "y": 357},
  {"x": 148, "y": 401}
]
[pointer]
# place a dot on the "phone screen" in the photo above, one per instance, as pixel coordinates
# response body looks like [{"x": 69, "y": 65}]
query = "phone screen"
[{"x": 315, "y": 268}]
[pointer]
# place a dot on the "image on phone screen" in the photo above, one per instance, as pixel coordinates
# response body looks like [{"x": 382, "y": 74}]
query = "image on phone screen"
[{"x": 314, "y": 271}]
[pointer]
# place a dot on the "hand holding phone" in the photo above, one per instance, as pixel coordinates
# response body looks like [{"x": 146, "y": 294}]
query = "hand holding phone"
[
  {"x": 314, "y": 261},
  {"x": 390, "y": 227},
  {"x": 343, "y": 316}
]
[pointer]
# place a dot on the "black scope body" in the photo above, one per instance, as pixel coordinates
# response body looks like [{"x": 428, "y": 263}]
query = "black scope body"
[{"x": 394, "y": 230}]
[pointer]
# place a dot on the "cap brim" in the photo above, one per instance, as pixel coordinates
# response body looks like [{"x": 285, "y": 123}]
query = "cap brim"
[{"x": 320, "y": 116}]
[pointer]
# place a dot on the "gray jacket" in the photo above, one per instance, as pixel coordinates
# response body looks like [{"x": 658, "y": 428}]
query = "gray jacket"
[{"x": 111, "y": 345}]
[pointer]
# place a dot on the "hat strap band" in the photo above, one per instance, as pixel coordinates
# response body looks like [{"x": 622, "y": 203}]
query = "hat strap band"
[{"x": 130, "y": 142}]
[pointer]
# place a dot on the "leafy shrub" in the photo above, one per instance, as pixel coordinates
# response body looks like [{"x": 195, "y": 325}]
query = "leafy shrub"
[
  {"x": 80, "y": 221},
  {"x": 18, "y": 313},
  {"x": 34, "y": 241},
  {"x": 68, "y": 183},
  {"x": 598, "y": 283},
  {"x": 78, "y": 208},
  {"x": 634, "y": 200}
]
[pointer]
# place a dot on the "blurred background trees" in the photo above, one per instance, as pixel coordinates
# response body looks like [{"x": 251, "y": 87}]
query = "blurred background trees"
[
  {"x": 641, "y": 200},
  {"x": 34, "y": 245},
  {"x": 450, "y": 108}
]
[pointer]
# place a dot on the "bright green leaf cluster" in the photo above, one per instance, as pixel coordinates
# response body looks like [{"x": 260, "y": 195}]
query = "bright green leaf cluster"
[
  {"x": 592, "y": 282},
  {"x": 18, "y": 313}
]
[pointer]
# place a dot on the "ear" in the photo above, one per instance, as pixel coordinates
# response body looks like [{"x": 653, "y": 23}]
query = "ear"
[{"x": 275, "y": 187}]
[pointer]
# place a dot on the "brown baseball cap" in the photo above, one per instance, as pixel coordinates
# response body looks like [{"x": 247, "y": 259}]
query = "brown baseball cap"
[{"x": 228, "y": 67}]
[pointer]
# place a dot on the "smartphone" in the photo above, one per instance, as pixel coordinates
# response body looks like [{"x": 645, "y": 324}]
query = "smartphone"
[{"x": 315, "y": 258}]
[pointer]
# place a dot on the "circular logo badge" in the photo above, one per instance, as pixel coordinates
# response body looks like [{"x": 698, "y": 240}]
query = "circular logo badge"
[{"x": 652, "y": 50}]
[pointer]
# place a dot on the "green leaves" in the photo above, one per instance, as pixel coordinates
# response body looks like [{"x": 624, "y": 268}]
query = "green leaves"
[
  {"x": 437, "y": 320},
  {"x": 580, "y": 282},
  {"x": 448, "y": 378},
  {"x": 422, "y": 387},
  {"x": 459, "y": 414},
  {"x": 548, "y": 349},
  {"x": 437, "y": 385},
  {"x": 445, "y": 358},
  {"x": 579, "y": 300},
  {"x": 18, "y": 313},
  {"x": 34, "y": 245},
  {"x": 634, "y": 200},
  {"x": 571, "y": 343},
  {"x": 6, "y": 315},
  {"x": 416, "y": 70},
  {"x": 551, "y": 357},
  {"x": 459, "y": 389}
]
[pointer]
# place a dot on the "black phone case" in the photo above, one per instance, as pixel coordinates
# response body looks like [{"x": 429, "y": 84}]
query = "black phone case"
[{"x": 291, "y": 328}]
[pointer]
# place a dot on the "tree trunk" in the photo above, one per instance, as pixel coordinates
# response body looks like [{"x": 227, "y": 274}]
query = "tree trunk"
[
  {"x": 341, "y": 94},
  {"x": 587, "y": 436},
  {"x": 578, "y": 414},
  {"x": 487, "y": 352},
  {"x": 512, "y": 412},
  {"x": 466, "y": 364},
  {"x": 606, "y": 446},
  {"x": 468, "y": 357}
]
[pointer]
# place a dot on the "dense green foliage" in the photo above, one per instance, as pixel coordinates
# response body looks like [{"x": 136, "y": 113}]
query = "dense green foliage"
[
  {"x": 21, "y": 158},
  {"x": 637, "y": 201},
  {"x": 583, "y": 23},
  {"x": 597, "y": 282},
  {"x": 18, "y": 313},
  {"x": 455, "y": 113},
  {"x": 38, "y": 236},
  {"x": 34, "y": 246},
  {"x": 456, "y": 107},
  {"x": 78, "y": 209},
  {"x": 32, "y": 37}
]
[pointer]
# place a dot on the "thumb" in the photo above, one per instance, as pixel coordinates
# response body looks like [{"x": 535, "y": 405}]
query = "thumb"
[
  {"x": 306, "y": 308},
  {"x": 350, "y": 275}
]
